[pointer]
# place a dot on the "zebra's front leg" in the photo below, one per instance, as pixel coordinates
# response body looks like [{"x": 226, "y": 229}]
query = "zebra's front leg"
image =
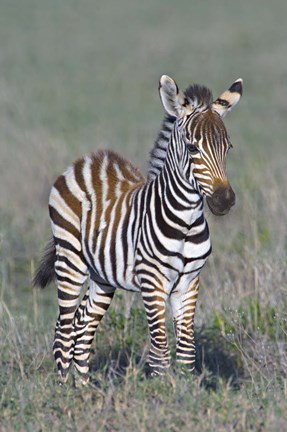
[
  {"x": 88, "y": 316},
  {"x": 183, "y": 303},
  {"x": 159, "y": 354}
]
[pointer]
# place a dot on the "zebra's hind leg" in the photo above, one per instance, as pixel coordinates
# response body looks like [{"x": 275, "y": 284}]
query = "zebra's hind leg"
[
  {"x": 71, "y": 273},
  {"x": 88, "y": 316},
  {"x": 183, "y": 303},
  {"x": 159, "y": 354}
]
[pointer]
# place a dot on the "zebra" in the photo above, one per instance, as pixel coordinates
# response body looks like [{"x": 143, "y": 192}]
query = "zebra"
[{"x": 117, "y": 229}]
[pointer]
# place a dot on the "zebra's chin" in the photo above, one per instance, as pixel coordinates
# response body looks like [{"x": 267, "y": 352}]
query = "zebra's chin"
[{"x": 217, "y": 212}]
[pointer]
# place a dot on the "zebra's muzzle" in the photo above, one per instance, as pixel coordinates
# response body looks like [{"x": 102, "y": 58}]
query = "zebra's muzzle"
[{"x": 221, "y": 201}]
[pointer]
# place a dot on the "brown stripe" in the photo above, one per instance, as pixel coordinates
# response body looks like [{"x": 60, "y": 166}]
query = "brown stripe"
[
  {"x": 63, "y": 223},
  {"x": 78, "y": 166}
]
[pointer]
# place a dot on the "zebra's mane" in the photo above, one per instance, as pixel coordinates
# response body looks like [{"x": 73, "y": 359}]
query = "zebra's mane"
[
  {"x": 158, "y": 153},
  {"x": 200, "y": 98}
]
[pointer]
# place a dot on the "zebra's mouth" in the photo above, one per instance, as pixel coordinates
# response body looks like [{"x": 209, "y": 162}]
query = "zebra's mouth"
[{"x": 215, "y": 210}]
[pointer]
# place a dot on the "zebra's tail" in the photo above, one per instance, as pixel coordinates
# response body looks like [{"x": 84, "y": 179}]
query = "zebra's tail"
[{"x": 45, "y": 273}]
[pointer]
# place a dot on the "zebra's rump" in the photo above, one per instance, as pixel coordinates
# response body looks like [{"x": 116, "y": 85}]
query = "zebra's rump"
[{"x": 90, "y": 209}]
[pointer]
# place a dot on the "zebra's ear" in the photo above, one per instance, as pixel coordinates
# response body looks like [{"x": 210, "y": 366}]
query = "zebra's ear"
[
  {"x": 228, "y": 99},
  {"x": 172, "y": 98}
]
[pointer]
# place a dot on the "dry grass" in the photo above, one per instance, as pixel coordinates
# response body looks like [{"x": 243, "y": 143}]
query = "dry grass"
[{"x": 77, "y": 77}]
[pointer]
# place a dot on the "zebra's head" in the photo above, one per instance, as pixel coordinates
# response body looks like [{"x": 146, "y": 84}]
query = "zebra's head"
[{"x": 202, "y": 139}]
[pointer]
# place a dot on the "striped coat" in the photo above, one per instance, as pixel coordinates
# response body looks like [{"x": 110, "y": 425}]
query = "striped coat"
[{"x": 118, "y": 229}]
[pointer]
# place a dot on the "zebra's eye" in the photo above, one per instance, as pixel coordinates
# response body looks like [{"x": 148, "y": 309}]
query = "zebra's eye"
[
  {"x": 230, "y": 146},
  {"x": 192, "y": 148}
]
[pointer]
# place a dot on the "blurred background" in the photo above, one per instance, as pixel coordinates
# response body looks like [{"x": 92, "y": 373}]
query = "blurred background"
[{"x": 79, "y": 76}]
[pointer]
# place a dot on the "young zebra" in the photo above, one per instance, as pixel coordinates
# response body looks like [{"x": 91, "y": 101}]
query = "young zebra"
[{"x": 150, "y": 236}]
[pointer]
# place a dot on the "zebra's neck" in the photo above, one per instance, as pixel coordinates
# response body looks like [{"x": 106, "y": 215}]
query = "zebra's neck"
[
  {"x": 180, "y": 192},
  {"x": 158, "y": 153}
]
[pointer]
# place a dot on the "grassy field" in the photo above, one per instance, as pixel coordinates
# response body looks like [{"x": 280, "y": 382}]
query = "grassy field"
[{"x": 79, "y": 76}]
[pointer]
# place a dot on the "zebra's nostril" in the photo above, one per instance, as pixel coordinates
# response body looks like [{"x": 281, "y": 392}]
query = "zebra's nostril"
[
  {"x": 216, "y": 199},
  {"x": 231, "y": 197}
]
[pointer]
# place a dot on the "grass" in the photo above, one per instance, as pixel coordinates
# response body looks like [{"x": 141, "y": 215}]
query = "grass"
[
  {"x": 76, "y": 77},
  {"x": 234, "y": 391}
]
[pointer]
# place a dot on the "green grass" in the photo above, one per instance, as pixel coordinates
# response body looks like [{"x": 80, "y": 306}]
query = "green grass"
[
  {"x": 235, "y": 389},
  {"x": 79, "y": 76}
]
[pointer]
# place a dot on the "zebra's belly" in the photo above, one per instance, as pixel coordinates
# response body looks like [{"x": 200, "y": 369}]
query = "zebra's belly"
[{"x": 119, "y": 276}]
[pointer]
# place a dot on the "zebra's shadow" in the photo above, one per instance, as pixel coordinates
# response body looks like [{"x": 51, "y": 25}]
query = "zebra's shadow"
[
  {"x": 218, "y": 359},
  {"x": 215, "y": 359}
]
